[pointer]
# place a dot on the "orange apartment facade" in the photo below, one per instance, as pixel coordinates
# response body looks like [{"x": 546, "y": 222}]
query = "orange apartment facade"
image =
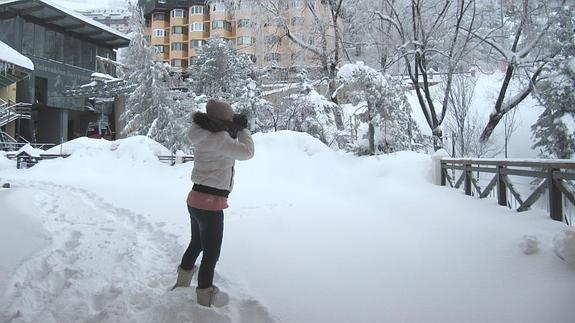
[{"x": 178, "y": 28}]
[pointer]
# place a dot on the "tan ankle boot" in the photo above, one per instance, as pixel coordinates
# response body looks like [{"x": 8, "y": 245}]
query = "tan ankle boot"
[
  {"x": 184, "y": 277},
  {"x": 206, "y": 296}
]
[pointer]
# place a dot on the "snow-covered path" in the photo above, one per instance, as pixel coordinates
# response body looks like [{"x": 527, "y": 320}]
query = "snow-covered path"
[{"x": 100, "y": 263}]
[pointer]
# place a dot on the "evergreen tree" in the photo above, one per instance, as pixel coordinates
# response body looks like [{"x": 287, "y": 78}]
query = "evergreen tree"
[
  {"x": 151, "y": 109},
  {"x": 554, "y": 131},
  {"x": 219, "y": 72}
]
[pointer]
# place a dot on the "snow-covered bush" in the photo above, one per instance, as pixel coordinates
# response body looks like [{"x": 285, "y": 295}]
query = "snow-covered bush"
[{"x": 564, "y": 245}]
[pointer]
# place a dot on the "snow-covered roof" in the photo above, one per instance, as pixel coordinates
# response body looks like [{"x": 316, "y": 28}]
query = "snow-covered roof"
[
  {"x": 11, "y": 56},
  {"x": 68, "y": 20}
]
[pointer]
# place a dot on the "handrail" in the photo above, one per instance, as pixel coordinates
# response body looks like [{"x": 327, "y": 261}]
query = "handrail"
[
  {"x": 553, "y": 175},
  {"x": 173, "y": 159},
  {"x": 536, "y": 163},
  {"x": 10, "y": 112}
]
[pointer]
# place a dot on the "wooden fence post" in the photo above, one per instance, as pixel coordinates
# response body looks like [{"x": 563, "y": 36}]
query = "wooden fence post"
[
  {"x": 555, "y": 198},
  {"x": 467, "y": 182},
  {"x": 501, "y": 188}
]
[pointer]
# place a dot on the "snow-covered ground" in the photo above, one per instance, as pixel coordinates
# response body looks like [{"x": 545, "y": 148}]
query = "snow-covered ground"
[{"x": 312, "y": 235}]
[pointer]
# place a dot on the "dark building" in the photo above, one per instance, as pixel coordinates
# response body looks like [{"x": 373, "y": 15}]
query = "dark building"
[{"x": 63, "y": 46}]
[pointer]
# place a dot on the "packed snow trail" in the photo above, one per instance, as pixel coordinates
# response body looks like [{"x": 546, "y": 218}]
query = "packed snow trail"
[{"x": 104, "y": 264}]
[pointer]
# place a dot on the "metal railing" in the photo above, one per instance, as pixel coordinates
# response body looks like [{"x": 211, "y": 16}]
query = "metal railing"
[
  {"x": 11, "y": 111},
  {"x": 552, "y": 176},
  {"x": 8, "y": 143},
  {"x": 169, "y": 159}
]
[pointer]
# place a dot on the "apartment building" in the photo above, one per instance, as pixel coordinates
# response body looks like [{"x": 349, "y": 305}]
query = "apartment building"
[{"x": 178, "y": 28}]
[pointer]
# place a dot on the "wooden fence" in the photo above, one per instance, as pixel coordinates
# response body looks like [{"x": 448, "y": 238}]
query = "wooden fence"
[{"x": 552, "y": 176}]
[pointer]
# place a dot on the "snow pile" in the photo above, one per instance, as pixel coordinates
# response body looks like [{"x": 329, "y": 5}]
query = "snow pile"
[
  {"x": 33, "y": 152},
  {"x": 529, "y": 244},
  {"x": 346, "y": 72},
  {"x": 5, "y": 162},
  {"x": 22, "y": 234},
  {"x": 10, "y": 55},
  {"x": 564, "y": 245},
  {"x": 135, "y": 148}
]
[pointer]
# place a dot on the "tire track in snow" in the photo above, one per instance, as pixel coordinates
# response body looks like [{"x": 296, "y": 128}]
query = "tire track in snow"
[{"x": 107, "y": 264}]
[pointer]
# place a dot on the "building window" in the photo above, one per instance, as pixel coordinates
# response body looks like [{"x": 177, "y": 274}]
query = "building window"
[
  {"x": 297, "y": 21},
  {"x": 161, "y": 48},
  {"x": 244, "y": 23},
  {"x": 197, "y": 26},
  {"x": 296, "y": 4},
  {"x": 197, "y": 10},
  {"x": 160, "y": 16},
  {"x": 179, "y": 30},
  {"x": 39, "y": 40},
  {"x": 222, "y": 24},
  {"x": 179, "y": 46},
  {"x": 218, "y": 24},
  {"x": 246, "y": 40},
  {"x": 218, "y": 6},
  {"x": 178, "y": 13},
  {"x": 178, "y": 63},
  {"x": 28, "y": 38},
  {"x": 159, "y": 33},
  {"x": 196, "y": 43}
]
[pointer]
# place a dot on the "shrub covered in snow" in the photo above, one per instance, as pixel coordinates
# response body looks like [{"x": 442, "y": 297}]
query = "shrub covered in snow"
[
  {"x": 564, "y": 245},
  {"x": 529, "y": 244}
]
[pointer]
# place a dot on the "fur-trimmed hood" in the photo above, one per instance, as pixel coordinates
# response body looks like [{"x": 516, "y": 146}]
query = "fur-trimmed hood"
[{"x": 203, "y": 126}]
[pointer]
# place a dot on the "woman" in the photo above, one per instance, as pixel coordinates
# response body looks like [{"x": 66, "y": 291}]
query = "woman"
[{"x": 219, "y": 138}]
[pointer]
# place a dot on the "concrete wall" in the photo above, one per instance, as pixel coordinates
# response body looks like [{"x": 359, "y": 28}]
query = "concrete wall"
[{"x": 53, "y": 120}]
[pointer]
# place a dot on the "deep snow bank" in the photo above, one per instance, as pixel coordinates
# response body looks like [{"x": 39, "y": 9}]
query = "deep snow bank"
[{"x": 312, "y": 235}]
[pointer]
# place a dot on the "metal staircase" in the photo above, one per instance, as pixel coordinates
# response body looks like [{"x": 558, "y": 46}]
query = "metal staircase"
[{"x": 11, "y": 111}]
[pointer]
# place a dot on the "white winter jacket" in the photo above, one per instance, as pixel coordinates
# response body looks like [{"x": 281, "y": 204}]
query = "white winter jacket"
[{"x": 215, "y": 154}]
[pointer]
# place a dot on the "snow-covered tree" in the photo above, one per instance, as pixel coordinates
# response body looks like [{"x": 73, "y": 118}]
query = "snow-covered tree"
[
  {"x": 554, "y": 131},
  {"x": 523, "y": 42},
  {"x": 322, "y": 38},
  {"x": 150, "y": 109},
  {"x": 432, "y": 37},
  {"x": 219, "y": 72},
  {"x": 387, "y": 114},
  {"x": 459, "y": 114}
]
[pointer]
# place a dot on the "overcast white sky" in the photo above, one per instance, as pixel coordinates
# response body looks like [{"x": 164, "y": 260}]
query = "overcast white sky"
[{"x": 91, "y": 4}]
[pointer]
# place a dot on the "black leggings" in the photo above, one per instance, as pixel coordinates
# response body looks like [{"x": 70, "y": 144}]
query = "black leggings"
[{"x": 207, "y": 234}]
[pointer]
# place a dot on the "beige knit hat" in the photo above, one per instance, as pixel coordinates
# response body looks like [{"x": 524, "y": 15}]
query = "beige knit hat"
[{"x": 219, "y": 110}]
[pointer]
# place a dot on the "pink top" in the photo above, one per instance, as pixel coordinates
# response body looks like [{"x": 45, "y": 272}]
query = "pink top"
[{"x": 206, "y": 201}]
